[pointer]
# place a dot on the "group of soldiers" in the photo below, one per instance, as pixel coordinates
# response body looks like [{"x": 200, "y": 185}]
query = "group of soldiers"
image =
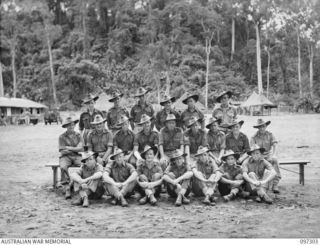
[{"x": 171, "y": 152}]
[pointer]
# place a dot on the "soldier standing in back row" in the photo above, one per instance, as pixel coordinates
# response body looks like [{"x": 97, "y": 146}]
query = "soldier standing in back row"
[
  {"x": 192, "y": 110},
  {"x": 116, "y": 111},
  {"x": 142, "y": 107},
  {"x": 87, "y": 117}
]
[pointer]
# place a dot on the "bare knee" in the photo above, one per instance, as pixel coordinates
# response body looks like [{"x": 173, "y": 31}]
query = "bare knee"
[{"x": 156, "y": 176}]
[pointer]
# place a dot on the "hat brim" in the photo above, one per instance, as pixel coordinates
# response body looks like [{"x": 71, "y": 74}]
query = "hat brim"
[
  {"x": 140, "y": 123},
  {"x": 95, "y": 154},
  {"x": 182, "y": 155},
  {"x": 229, "y": 93},
  {"x": 95, "y": 123},
  {"x": 209, "y": 124},
  {"x": 67, "y": 124},
  {"x": 113, "y": 99},
  {"x": 120, "y": 124},
  {"x": 195, "y": 97},
  {"x": 172, "y": 99},
  {"x": 259, "y": 125},
  {"x": 114, "y": 155},
  {"x": 139, "y": 95},
  {"x": 88, "y": 100},
  {"x": 155, "y": 151},
  {"x": 231, "y": 125},
  {"x": 261, "y": 149},
  {"x": 236, "y": 155},
  {"x": 198, "y": 154},
  {"x": 198, "y": 120}
]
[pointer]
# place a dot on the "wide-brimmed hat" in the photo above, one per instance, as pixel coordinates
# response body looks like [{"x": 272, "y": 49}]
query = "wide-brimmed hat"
[
  {"x": 89, "y": 98},
  {"x": 144, "y": 118},
  {"x": 256, "y": 147},
  {"x": 188, "y": 96},
  {"x": 116, "y": 94},
  {"x": 141, "y": 91},
  {"x": 68, "y": 121},
  {"x": 177, "y": 153},
  {"x": 261, "y": 122},
  {"x": 192, "y": 120},
  {"x": 201, "y": 150},
  {"x": 213, "y": 120},
  {"x": 98, "y": 119},
  {"x": 167, "y": 98},
  {"x": 87, "y": 154},
  {"x": 229, "y": 93},
  {"x": 229, "y": 153},
  {"x": 147, "y": 148},
  {"x": 170, "y": 117},
  {"x": 235, "y": 122},
  {"x": 122, "y": 120},
  {"x": 116, "y": 153}
]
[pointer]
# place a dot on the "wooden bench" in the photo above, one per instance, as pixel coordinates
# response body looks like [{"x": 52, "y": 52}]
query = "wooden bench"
[
  {"x": 55, "y": 168},
  {"x": 301, "y": 164}
]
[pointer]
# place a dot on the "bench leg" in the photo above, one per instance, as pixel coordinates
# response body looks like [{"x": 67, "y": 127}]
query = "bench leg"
[
  {"x": 301, "y": 171},
  {"x": 54, "y": 169}
]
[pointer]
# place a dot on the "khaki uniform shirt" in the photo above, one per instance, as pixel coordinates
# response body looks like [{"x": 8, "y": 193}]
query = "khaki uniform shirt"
[
  {"x": 216, "y": 142},
  {"x": 124, "y": 140},
  {"x": 226, "y": 114},
  {"x": 86, "y": 118},
  {"x": 188, "y": 114},
  {"x": 69, "y": 139},
  {"x": 240, "y": 145},
  {"x": 162, "y": 116},
  {"x": 177, "y": 171},
  {"x": 149, "y": 172},
  {"x": 232, "y": 170},
  {"x": 141, "y": 139},
  {"x": 265, "y": 140},
  {"x": 257, "y": 167},
  {"x": 119, "y": 173},
  {"x": 171, "y": 140},
  {"x": 207, "y": 169},
  {"x": 100, "y": 141},
  {"x": 114, "y": 114},
  {"x": 85, "y": 172},
  {"x": 195, "y": 140},
  {"x": 137, "y": 111}
]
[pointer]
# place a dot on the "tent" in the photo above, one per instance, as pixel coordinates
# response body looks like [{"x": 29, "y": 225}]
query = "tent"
[
  {"x": 103, "y": 104},
  {"x": 181, "y": 107},
  {"x": 256, "y": 103}
]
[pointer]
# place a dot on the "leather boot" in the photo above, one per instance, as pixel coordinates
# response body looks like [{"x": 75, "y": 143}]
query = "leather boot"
[
  {"x": 206, "y": 200},
  {"x": 275, "y": 189},
  {"x": 123, "y": 201},
  {"x": 68, "y": 193},
  {"x": 185, "y": 200},
  {"x": 143, "y": 200},
  {"x": 266, "y": 199},
  {"x": 85, "y": 202},
  {"x": 179, "y": 200},
  {"x": 77, "y": 202},
  {"x": 153, "y": 200}
]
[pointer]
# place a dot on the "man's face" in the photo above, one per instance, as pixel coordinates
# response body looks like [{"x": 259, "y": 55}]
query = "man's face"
[
  {"x": 91, "y": 104},
  {"x": 149, "y": 155},
  {"x": 236, "y": 128},
  {"x": 191, "y": 103},
  {"x": 119, "y": 158},
  {"x": 70, "y": 127},
  {"x": 214, "y": 127},
  {"x": 90, "y": 162},
  {"x": 100, "y": 126},
  {"x": 171, "y": 124},
  {"x": 147, "y": 125},
  {"x": 167, "y": 105},
  {"x": 179, "y": 161},
  {"x": 262, "y": 128},
  {"x": 203, "y": 157},
  {"x": 116, "y": 101},
  {"x": 230, "y": 160},
  {"x": 141, "y": 98},
  {"x": 256, "y": 155},
  {"x": 125, "y": 126},
  {"x": 195, "y": 126},
  {"x": 224, "y": 99}
]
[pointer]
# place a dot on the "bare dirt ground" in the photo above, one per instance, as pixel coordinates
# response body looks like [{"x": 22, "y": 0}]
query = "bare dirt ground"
[{"x": 29, "y": 207}]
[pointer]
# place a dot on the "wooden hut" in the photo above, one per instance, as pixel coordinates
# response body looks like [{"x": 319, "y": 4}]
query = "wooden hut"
[{"x": 257, "y": 105}]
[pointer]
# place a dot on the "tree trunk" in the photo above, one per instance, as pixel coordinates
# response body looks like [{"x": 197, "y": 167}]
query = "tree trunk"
[
  {"x": 268, "y": 73},
  {"x": 13, "y": 66},
  {"x": 208, "y": 51},
  {"x": 259, "y": 73},
  {"x": 84, "y": 29},
  {"x": 232, "y": 38},
  {"x": 51, "y": 67},
  {"x": 1, "y": 82},
  {"x": 168, "y": 83},
  {"x": 311, "y": 55},
  {"x": 299, "y": 64}
]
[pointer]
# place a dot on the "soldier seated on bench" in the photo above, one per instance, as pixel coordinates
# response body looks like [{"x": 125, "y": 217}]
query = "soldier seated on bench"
[
  {"x": 70, "y": 144},
  {"x": 257, "y": 173},
  {"x": 87, "y": 180}
]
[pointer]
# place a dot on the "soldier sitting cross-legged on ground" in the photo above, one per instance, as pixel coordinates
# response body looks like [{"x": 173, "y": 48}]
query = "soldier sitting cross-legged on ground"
[
  {"x": 120, "y": 178},
  {"x": 178, "y": 178},
  {"x": 206, "y": 175},
  {"x": 87, "y": 180},
  {"x": 149, "y": 176}
]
